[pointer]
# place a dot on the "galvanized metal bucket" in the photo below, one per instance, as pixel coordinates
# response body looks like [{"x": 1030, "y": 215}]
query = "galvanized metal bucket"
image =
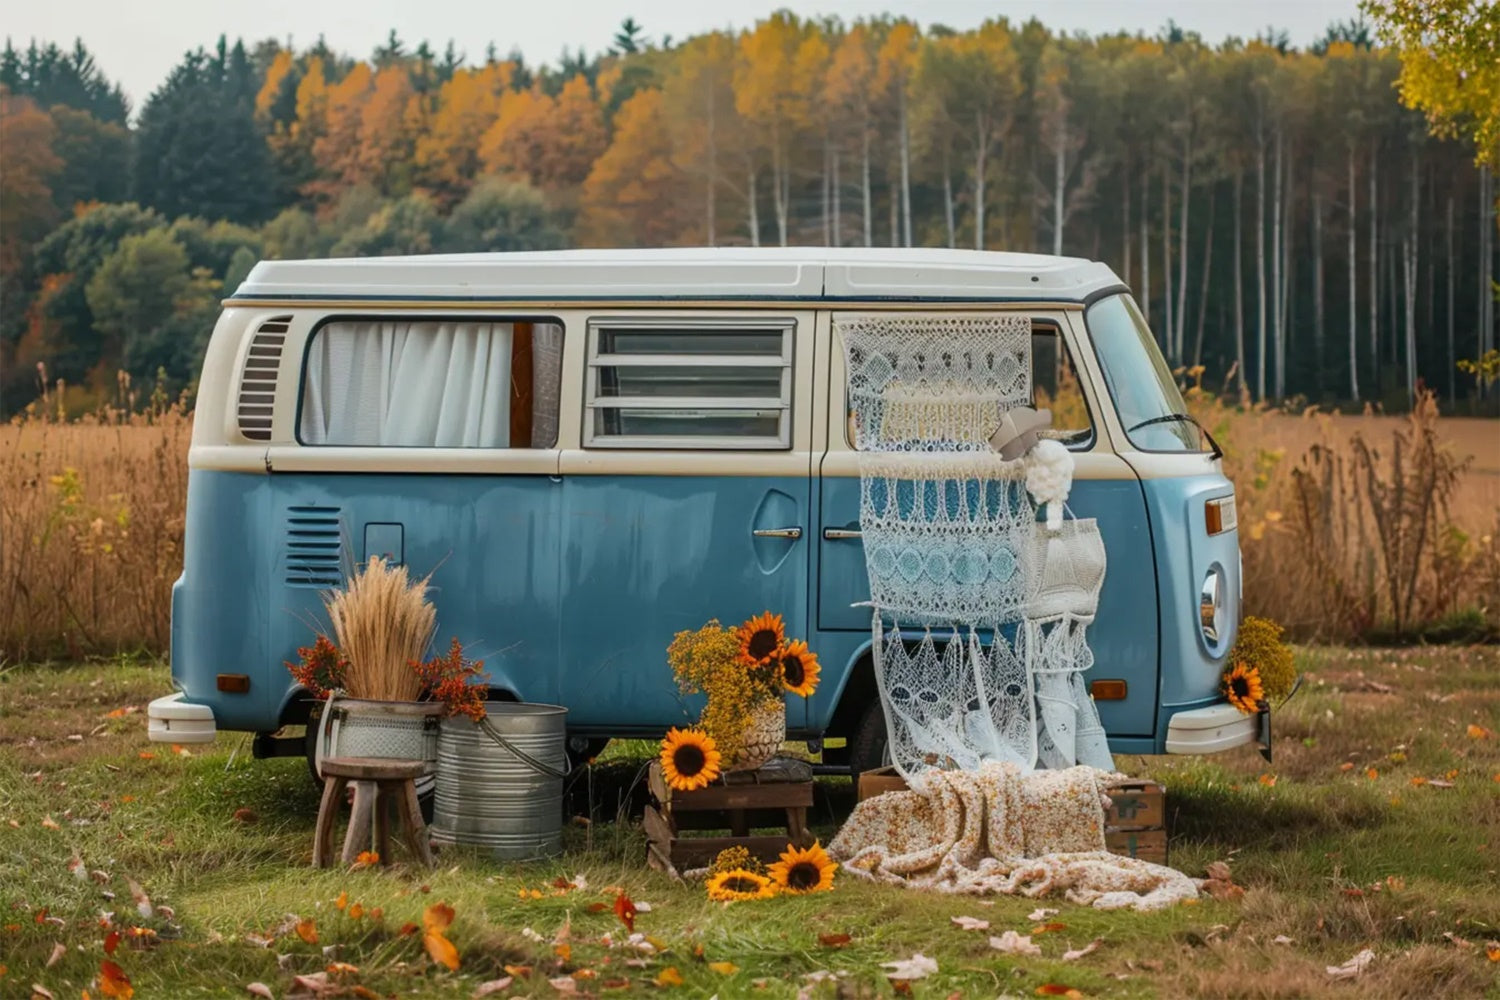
[{"x": 500, "y": 782}]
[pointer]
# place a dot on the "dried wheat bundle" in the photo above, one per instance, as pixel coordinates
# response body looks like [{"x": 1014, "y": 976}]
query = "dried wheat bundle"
[{"x": 382, "y": 621}]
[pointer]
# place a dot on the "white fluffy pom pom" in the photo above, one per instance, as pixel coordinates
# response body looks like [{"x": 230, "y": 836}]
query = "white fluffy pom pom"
[{"x": 1049, "y": 478}]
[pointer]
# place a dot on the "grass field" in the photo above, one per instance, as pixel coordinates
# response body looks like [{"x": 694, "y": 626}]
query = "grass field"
[{"x": 1377, "y": 827}]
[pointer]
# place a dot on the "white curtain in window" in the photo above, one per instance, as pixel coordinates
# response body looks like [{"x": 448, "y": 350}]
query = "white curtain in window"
[{"x": 409, "y": 384}]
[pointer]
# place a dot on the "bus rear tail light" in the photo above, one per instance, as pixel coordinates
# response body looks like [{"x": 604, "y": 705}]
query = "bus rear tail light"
[{"x": 1220, "y": 515}]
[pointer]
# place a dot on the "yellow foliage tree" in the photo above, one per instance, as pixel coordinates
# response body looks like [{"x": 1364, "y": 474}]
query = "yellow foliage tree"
[
  {"x": 389, "y": 121},
  {"x": 447, "y": 151},
  {"x": 630, "y": 196},
  {"x": 707, "y": 133},
  {"x": 337, "y": 149}
]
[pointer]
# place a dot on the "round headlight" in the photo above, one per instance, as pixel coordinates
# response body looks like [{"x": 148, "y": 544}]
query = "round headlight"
[{"x": 1211, "y": 606}]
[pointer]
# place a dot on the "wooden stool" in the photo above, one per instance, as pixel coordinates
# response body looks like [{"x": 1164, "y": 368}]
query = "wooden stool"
[{"x": 377, "y": 782}]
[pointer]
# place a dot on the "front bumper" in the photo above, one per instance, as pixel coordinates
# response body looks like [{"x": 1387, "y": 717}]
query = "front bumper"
[
  {"x": 172, "y": 719},
  {"x": 1212, "y": 729}
]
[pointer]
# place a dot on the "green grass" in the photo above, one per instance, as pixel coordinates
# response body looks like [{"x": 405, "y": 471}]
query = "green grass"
[{"x": 1331, "y": 858}]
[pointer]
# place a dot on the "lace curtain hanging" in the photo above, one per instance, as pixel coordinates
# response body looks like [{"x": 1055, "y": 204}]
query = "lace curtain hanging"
[{"x": 952, "y": 546}]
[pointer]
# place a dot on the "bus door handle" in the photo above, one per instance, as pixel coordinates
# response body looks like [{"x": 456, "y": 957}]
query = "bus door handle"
[
  {"x": 836, "y": 534},
  {"x": 792, "y": 533}
]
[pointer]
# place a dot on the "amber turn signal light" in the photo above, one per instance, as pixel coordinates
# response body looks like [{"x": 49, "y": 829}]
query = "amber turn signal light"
[
  {"x": 234, "y": 683},
  {"x": 1108, "y": 690},
  {"x": 1220, "y": 515}
]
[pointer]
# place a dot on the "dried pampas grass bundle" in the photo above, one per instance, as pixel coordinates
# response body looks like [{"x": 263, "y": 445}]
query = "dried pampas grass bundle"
[{"x": 383, "y": 622}]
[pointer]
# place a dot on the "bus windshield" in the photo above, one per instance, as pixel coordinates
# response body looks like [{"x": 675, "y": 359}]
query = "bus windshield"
[{"x": 1146, "y": 396}]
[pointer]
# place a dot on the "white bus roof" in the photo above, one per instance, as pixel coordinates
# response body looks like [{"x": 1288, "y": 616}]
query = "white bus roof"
[{"x": 696, "y": 274}]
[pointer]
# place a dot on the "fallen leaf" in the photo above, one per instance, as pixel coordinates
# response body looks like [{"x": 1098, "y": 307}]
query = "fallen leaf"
[
  {"x": 1041, "y": 913},
  {"x": 342, "y": 969},
  {"x": 626, "y": 911},
  {"x": 971, "y": 923},
  {"x": 437, "y": 918},
  {"x": 315, "y": 983},
  {"x": 408, "y": 929},
  {"x": 1219, "y": 870},
  {"x": 50, "y": 823},
  {"x": 1048, "y": 928},
  {"x": 565, "y": 985},
  {"x": 1353, "y": 967},
  {"x": 1346, "y": 766},
  {"x": 1269, "y": 780},
  {"x": 342, "y": 902},
  {"x": 307, "y": 930},
  {"x": 492, "y": 987},
  {"x": 724, "y": 968},
  {"x": 1011, "y": 943},
  {"x": 1479, "y": 732},
  {"x": 668, "y": 976},
  {"x": 1057, "y": 990},
  {"x": 1492, "y": 951},
  {"x": 834, "y": 940},
  {"x": 260, "y": 990},
  {"x": 584, "y": 974},
  {"x": 563, "y": 951},
  {"x": 1371, "y": 773},
  {"x": 1088, "y": 949},
  {"x": 111, "y": 942},
  {"x": 146, "y": 755},
  {"x": 598, "y": 907},
  {"x": 58, "y": 951},
  {"x": 365, "y": 859},
  {"x": 1439, "y": 783},
  {"x": 357, "y": 911},
  {"x": 1283, "y": 939},
  {"x": 38, "y": 990},
  {"x": 113, "y": 982},
  {"x": 75, "y": 865},
  {"x": 181, "y": 751},
  {"x": 531, "y": 935},
  {"x": 1458, "y": 941},
  {"x": 919, "y": 966},
  {"x": 518, "y": 971},
  {"x": 441, "y": 949}
]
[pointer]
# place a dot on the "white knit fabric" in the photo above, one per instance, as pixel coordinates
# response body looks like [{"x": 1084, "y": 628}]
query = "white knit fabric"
[{"x": 952, "y": 546}]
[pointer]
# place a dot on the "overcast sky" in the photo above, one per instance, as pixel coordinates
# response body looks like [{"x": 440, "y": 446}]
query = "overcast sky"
[{"x": 138, "y": 43}]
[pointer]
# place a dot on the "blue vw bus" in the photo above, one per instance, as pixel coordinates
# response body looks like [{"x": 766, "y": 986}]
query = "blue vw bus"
[{"x": 593, "y": 450}]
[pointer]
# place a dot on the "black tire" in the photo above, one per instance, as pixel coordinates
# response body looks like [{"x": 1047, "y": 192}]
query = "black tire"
[{"x": 869, "y": 747}]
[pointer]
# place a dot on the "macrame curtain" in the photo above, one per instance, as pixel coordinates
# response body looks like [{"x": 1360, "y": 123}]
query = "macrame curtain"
[
  {"x": 979, "y": 611},
  {"x": 425, "y": 384}
]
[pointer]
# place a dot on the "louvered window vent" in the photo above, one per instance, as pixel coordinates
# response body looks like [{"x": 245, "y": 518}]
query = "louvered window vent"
[
  {"x": 257, "y": 401},
  {"x": 314, "y": 543}
]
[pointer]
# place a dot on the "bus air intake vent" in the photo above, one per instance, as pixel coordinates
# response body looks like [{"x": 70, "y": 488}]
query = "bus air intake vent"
[
  {"x": 258, "y": 383},
  {"x": 314, "y": 545}
]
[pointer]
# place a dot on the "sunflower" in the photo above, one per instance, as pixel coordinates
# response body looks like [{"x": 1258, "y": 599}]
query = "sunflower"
[
  {"x": 689, "y": 759},
  {"x": 739, "y": 883},
  {"x": 1243, "y": 689},
  {"x": 761, "y": 639},
  {"x": 799, "y": 669},
  {"x": 803, "y": 870}
]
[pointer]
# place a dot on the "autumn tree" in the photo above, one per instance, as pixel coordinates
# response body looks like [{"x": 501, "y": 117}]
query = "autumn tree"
[{"x": 628, "y": 195}]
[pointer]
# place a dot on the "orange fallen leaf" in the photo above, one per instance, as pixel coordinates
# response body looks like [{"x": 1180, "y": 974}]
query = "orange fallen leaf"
[
  {"x": 307, "y": 930},
  {"x": 342, "y": 969},
  {"x": 834, "y": 940},
  {"x": 115, "y": 713},
  {"x": 1057, "y": 990},
  {"x": 1269, "y": 780},
  {"x": 50, "y": 823},
  {"x": 625, "y": 910},
  {"x": 1479, "y": 732},
  {"x": 441, "y": 949},
  {"x": 1048, "y": 927},
  {"x": 356, "y": 911},
  {"x": 601, "y": 907},
  {"x": 1452, "y": 775},
  {"x": 1492, "y": 951},
  {"x": 113, "y": 982},
  {"x": 618, "y": 983},
  {"x": 724, "y": 968},
  {"x": 437, "y": 918},
  {"x": 146, "y": 755},
  {"x": 342, "y": 902},
  {"x": 519, "y": 971},
  {"x": 1418, "y": 781},
  {"x": 1346, "y": 766},
  {"x": 366, "y": 859},
  {"x": 408, "y": 929},
  {"x": 376, "y": 913},
  {"x": 1371, "y": 773},
  {"x": 668, "y": 976},
  {"x": 563, "y": 951},
  {"x": 181, "y": 751},
  {"x": 582, "y": 975},
  {"x": 111, "y": 942}
]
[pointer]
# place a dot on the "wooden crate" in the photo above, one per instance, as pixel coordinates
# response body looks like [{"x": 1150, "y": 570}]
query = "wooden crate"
[
  {"x": 1134, "y": 823},
  {"x": 686, "y": 830}
]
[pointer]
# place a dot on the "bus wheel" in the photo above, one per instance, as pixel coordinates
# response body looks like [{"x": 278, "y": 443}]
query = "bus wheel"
[{"x": 869, "y": 748}]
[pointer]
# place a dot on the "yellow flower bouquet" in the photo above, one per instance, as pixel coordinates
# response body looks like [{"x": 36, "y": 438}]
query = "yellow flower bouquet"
[{"x": 746, "y": 671}]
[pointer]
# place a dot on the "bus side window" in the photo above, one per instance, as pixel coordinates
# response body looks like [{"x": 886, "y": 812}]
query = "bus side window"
[{"x": 1054, "y": 386}]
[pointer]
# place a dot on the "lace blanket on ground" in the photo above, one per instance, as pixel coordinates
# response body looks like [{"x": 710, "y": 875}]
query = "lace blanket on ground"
[{"x": 997, "y": 830}]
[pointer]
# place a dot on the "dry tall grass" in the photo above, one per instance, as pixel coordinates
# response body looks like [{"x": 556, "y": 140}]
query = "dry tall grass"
[
  {"x": 92, "y": 511},
  {"x": 383, "y": 622}
]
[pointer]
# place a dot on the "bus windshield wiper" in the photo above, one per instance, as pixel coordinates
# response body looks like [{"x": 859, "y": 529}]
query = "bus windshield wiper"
[{"x": 1180, "y": 418}]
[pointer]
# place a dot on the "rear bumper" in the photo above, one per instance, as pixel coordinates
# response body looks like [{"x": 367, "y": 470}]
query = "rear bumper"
[
  {"x": 172, "y": 719},
  {"x": 1211, "y": 729}
]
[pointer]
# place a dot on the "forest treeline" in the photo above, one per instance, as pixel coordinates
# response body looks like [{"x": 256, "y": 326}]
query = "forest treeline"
[{"x": 1284, "y": 221}]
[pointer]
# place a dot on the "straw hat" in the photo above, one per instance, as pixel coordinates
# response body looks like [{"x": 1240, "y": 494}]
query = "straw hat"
[{"x": 1018, "y": 431}]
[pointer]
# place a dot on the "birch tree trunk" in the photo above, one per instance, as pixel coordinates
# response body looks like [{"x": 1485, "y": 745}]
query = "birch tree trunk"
[
  {"x": 1260, "y": 269},
  {"x": 1182, "y": 256},
  {"x": 948, "y": 200},
  {"x": 711, "y": 200},
  {"x": 1059, "y": 178},
  {"x": 1125, "y": 232},
  {"x": 1353, "y": 250},
  {"x": 838, "y": 198},
  {"x": 865, "y": 181},
  {"x": 980, "y": 162},
  {"x": 1208, "y": 265},
  {"x": 905, "y": 166},
  {"x": 1318, "y": 306},
  {"x": 779, "y": 188},
  {"x": 1410, "y": 274},
  {"x": 754, "y": 213},
  {"x": 1145, "y": 300},
  {"x": 1239, "y": 280},
  {"x": 1169, "y": 335},
  {"x": 1278, "y": 314},
  {"x": 823, "y": 190}
]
